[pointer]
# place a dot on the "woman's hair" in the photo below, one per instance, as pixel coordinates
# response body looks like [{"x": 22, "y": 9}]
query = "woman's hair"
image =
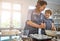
[
  {"x": 40, "y": 0},
  {"x": 49, "y": 12},
  {"x": 41, "y": 3}
]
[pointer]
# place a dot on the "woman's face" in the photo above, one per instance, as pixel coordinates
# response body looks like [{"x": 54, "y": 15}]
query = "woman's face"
[
  {"x": 47, "y": 15},
  {"x": 41, "y": 8}
]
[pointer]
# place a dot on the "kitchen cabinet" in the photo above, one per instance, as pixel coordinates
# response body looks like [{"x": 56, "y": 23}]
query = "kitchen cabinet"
[
  {"x": 10, "y": 33},
  {"x": 10, "y": 37}
]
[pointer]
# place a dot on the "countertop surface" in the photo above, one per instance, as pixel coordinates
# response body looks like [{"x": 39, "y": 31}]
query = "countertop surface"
[{"x": 39, "y": 36}]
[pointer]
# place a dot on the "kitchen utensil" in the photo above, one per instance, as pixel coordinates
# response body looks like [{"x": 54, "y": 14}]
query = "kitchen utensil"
[{"x": 50, "y": 32}]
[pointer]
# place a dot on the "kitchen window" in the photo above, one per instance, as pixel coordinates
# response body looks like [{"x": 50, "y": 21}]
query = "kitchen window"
[{"x": 10, "y": 15}]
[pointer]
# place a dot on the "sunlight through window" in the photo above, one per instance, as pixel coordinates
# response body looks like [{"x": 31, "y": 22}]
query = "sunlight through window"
[
  {"x": 10, "y": 15},
  {"x": 6, "y": 5},
  {"x": 16, "y": 7},
  {"x": 16, "y": 19},
  {"x": 5, "y": 18}
]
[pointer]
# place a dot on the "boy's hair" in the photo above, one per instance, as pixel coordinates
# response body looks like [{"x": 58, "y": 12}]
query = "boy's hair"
[
  {"x": 42, "y": 3},
  {"x": 49, "y": 12}
]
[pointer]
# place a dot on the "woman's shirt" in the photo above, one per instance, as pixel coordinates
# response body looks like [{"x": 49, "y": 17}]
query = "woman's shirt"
[{"x": 36, "y": 18}]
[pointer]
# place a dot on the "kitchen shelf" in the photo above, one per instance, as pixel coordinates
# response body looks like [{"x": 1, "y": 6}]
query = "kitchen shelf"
[
  {"x": 57, "y": 23},
  {"x": 56, "y": 18},
  {"x": 56, "y": 14}
]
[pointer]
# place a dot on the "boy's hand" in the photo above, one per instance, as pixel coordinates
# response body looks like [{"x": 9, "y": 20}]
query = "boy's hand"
[{"x": 53, "y": 28}]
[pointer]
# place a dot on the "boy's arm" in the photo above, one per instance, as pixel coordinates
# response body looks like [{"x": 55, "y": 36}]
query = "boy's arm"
[{"x": 53, "y": 27}]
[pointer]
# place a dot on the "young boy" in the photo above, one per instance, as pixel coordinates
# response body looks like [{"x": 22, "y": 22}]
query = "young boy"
[{"x": 49, "y": 23}]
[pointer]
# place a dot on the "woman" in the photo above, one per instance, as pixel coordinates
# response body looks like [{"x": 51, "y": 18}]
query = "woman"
[{"x": 35, "y": 18}]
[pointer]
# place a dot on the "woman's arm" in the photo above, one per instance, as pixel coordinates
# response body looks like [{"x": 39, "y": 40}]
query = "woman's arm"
[
  {"x": 32, "y": 16},
  {"x": 35, "y": 25}
]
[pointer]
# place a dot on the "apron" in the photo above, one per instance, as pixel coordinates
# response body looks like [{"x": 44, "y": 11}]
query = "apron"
[{"x": 36, "y": 19}]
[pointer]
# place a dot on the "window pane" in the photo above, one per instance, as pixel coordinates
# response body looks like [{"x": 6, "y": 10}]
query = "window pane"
[
  {"x": 16, "y": 19},
  {"x": 5, "y": 19},
  {"x": 16, "y": 7},
  {"x": 31, "y": 7},
  {"x": 6, "y": 5}
]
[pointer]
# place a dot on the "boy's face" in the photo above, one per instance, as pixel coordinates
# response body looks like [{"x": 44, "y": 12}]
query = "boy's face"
[{"x": 47, "y": 15}]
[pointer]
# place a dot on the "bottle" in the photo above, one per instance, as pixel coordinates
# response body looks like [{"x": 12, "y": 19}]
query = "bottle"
[
  {"x": 15, "y": 39},
  {"x": 20, "y": 39}
]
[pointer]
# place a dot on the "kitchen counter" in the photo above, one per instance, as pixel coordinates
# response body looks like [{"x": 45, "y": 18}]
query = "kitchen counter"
[
  {"x": 9, "y": 33},
  {"x": 39, "y": 37}
]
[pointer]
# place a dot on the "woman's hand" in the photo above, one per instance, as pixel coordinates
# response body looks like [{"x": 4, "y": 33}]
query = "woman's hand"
[{"x": 43, "y": 25}]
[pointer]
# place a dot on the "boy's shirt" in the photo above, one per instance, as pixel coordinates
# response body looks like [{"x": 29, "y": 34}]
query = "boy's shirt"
[{"x": 48, "y": 23}]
